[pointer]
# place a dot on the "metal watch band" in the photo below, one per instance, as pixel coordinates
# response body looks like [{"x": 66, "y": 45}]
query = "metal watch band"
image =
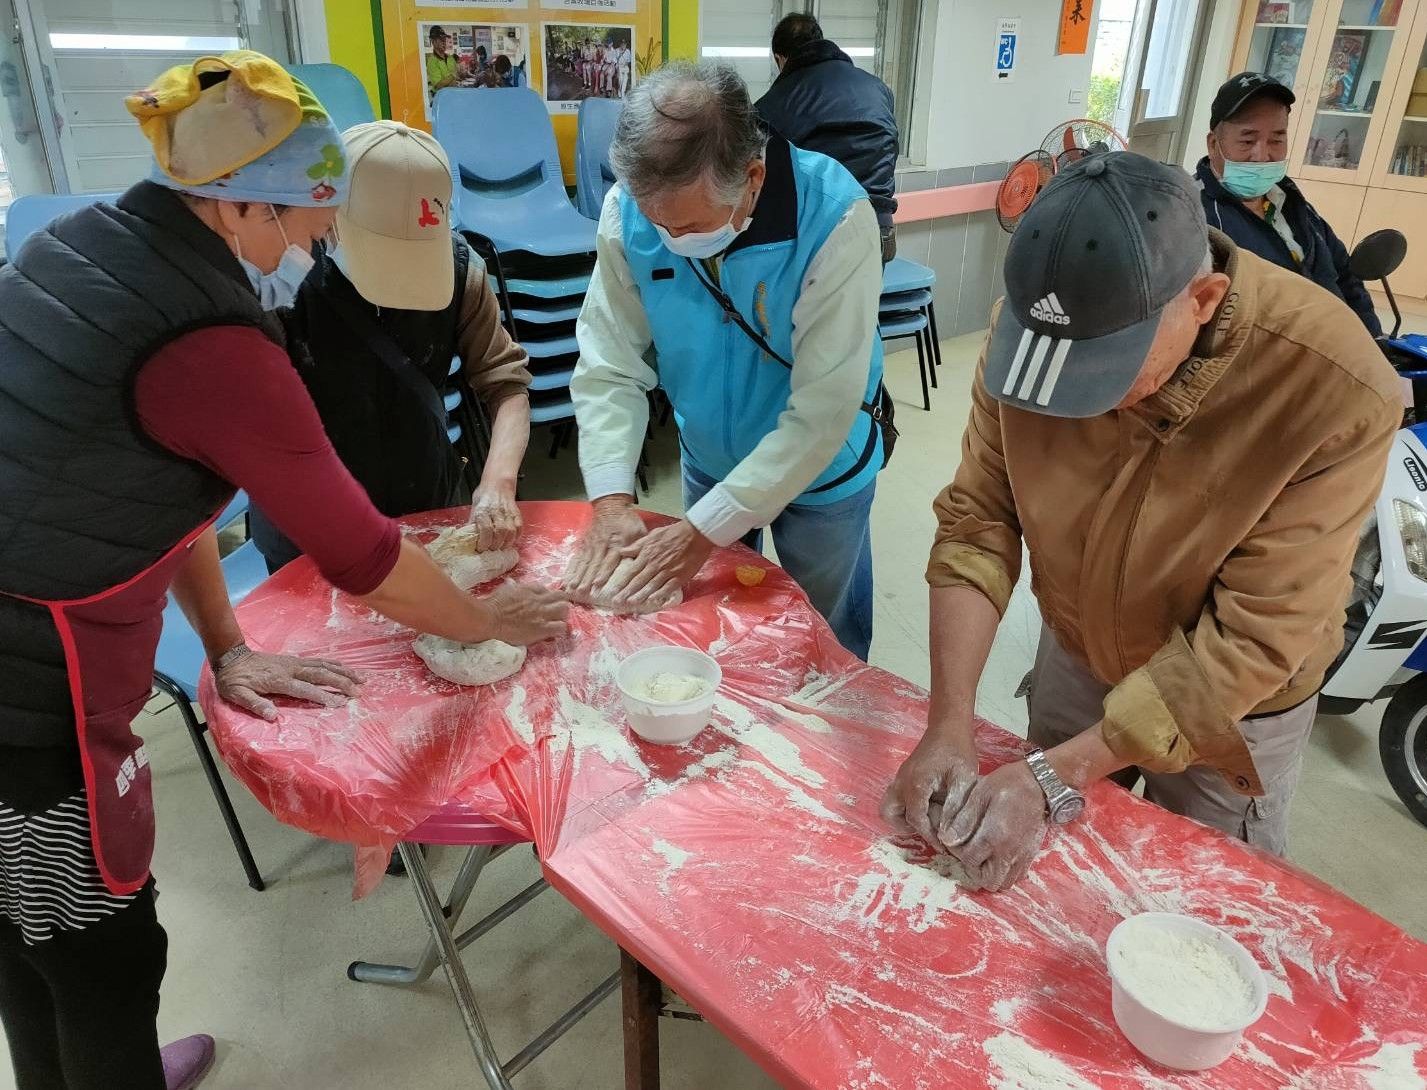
[
  {"x": 1063, "y": 803},
  {"x": 232, "y": 655}
]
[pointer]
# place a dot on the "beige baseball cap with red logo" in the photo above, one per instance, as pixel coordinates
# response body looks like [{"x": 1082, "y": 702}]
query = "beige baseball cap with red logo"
[{"x": 395, "y": 229}]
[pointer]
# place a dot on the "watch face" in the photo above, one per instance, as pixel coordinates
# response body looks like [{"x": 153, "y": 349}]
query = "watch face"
[{"x": 1068, "y": 809}]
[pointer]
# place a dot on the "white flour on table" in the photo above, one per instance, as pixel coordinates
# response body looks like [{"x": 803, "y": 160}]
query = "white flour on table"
[
  {"x": 516, "y": 717},
  {"x": 590, "y": 729},
  {"x": 1394, "y": 1067},
  {"x": 781, "y": 752},
  {"x": 1024, "y": 1068}
]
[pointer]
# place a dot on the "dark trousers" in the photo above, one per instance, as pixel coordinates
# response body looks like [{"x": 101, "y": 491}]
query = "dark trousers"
[{"x": 79, "y": 1007}]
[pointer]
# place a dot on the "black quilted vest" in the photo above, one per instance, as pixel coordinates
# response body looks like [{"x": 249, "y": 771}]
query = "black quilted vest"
[{"x": 87, "y": 500}]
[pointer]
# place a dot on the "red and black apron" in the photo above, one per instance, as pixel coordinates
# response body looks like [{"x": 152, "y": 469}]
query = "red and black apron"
[{"x": 109, "y": 642}]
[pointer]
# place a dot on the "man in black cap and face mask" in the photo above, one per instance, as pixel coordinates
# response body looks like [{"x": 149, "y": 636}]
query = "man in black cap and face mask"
[
  {"x": 1186, "y": 438},
  {"x": 1248, "y": 196}
]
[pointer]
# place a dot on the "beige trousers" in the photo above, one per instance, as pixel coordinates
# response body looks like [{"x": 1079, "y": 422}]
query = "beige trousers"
[{"x": 1064, "y": 699}]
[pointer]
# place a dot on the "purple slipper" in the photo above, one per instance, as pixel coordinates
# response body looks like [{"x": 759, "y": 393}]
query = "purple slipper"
[{"x": 187, "y": 1061}]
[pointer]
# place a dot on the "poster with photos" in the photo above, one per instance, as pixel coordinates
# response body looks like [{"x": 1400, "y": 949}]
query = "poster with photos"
[
  {"x": 472, "y": 55},
  {"x": 586, "y": 60}
]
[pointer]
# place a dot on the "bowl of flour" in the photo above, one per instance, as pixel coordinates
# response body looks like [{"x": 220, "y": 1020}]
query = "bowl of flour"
[
  {"x": 1182, "y": 990},
  {"x": 668, "y": 692}
]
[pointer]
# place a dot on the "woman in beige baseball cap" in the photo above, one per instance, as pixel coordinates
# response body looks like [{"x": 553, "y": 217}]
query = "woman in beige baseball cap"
[{"x": 374, "y": 331}]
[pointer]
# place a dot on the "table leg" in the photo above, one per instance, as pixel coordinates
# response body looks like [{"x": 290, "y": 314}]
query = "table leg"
[
  {"x": 450, "y": 958},
  {"x": 642, "y": 996}
]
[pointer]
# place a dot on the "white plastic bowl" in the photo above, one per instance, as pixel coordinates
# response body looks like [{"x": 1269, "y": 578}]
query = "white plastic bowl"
[
  {"x": 667, "y": 724},
  {"x": 1162, "y": 1039}
]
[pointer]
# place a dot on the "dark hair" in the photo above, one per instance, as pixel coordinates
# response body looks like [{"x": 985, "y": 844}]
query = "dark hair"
[
  {"x": 437, "y": 31},
  {"x": 501, "y": 64},
  {"x": 481, "y": 51},
  {"x": 795, "y": 31}
]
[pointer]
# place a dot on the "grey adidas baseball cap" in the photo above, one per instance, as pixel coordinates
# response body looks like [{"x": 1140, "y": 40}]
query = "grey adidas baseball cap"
[{"x": 1092, "y": 264}]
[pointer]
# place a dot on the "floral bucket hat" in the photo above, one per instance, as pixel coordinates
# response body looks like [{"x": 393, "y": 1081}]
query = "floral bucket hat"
[{"x": 239, "y": 127}]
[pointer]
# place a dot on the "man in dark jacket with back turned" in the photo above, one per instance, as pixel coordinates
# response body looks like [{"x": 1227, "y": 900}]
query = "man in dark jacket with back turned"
[
  {"x": 1247, "y": 195},
  {"x": 822, "y": 102}
]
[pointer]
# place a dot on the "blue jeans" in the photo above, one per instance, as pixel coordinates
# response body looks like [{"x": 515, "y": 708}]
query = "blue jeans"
[{"x": 827, "y": 549}]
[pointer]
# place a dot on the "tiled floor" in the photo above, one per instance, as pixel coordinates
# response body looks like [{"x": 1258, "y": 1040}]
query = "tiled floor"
[{"x": 265, "y": 973}]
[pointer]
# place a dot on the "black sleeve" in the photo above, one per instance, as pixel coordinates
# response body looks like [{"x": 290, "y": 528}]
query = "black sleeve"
[{"x": 1355, "y": 294}]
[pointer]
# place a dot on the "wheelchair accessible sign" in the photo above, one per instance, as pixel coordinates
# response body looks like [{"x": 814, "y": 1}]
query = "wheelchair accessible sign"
[{"x": 1008, "y": 42}]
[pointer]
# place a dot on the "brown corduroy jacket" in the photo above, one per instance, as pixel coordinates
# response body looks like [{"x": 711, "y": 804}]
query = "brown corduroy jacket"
[{"x": 1192, "y": 551}]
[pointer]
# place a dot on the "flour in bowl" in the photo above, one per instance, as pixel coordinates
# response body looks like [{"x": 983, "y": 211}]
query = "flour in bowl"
[
  {"x": 667, "y": 688},
  {"x": 1189, "y": 979}
]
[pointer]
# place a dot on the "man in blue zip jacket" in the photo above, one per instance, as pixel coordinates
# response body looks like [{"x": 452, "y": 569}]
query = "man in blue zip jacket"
[
  {"x": 753, "y": 269},
  {"x": 1249, "y": 197}
]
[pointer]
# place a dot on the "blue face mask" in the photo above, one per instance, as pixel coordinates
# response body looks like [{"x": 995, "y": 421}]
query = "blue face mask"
[
  {"x": 1249, "y": 180},
  {"x": 278, "y": 289}
]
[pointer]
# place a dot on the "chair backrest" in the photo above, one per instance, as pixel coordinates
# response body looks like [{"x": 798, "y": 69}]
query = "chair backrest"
[
  {"x": 339, "y": 91},
  {"x": 503, "y": 157},
  {"x": 593, "y": 176},
  {"x": 29, "y": 214}
]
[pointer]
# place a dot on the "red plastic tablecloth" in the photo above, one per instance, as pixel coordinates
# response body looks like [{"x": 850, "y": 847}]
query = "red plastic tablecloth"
[{"x": 751, "y": 871}]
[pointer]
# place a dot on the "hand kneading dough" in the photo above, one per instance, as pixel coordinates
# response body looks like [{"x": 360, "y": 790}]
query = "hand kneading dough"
[
  {"x": 608, "y": 598},
  {"x": 454, "y": 550},
  {"x": 469, "y": 663}
]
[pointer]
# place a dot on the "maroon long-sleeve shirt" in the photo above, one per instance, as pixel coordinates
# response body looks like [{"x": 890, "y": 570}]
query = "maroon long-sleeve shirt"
[{"x": 227, "y": 397}]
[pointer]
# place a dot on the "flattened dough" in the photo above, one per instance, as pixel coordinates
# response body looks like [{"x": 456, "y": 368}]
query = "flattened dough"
[
  {"x": 454, "y": 550},
  {"x": 607, "y": 597},
  {"x": 469, "y": 663}
]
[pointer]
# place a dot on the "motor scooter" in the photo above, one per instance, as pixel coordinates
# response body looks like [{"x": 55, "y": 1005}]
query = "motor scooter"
[{"x": 1384, "y": 654}]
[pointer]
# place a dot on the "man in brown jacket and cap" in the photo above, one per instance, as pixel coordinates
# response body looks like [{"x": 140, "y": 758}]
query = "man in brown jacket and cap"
[{"x": 1187, "y": 440}]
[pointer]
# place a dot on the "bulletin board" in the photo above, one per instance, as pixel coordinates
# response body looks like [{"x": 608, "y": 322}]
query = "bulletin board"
[{"x": 564, "y": 50}]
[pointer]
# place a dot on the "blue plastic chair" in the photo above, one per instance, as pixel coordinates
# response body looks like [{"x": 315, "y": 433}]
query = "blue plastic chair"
[
  {"x": 179, "y": 662},
  {"x": 903, "y": 274},
  {"x": 29, "y": 214},
  {"x": 915, "y": 324},
  {"x": 905, "y": 300},
  {"x": 593, "y": 174},
  {"x": 340, "y": 92},
  {"x": 509, "y": 185}
]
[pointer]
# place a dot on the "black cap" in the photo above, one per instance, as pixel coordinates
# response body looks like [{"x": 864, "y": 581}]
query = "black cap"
[
  {"x": 1092, "y": 265},
  {"x": 1237, "y": 90}
]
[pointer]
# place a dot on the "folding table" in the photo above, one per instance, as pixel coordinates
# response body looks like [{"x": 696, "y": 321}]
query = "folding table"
[{"x": 751, "y": 872}]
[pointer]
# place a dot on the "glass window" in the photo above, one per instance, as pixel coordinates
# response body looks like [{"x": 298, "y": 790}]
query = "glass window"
[{"x": 91, "y": 53}]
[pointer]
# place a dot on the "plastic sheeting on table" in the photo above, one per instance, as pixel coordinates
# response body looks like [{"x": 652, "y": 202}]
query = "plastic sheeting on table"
[{"x": 751, "y": 871}]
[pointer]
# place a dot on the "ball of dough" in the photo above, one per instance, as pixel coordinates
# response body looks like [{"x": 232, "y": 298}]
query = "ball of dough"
[
  {"x": 469, "y": 663},
  {"x": 454, "y": 551},
  {"x": 609, "y": 597}
]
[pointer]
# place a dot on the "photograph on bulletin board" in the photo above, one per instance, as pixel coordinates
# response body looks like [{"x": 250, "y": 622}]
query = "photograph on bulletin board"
[
  {"x": 472, "y": 55},
  {"x": 586, "y": 60}
]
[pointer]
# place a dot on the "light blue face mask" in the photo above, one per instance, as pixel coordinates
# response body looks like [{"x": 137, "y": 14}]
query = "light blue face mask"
[
  {"x": 1249, "y": 180},
  {"x": 701, "y": 245},
  {"x": 278, "y": 289}
]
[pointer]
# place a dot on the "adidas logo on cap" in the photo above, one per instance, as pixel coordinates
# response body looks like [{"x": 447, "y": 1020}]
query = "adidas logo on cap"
[{"x": 1048, "y": 310}]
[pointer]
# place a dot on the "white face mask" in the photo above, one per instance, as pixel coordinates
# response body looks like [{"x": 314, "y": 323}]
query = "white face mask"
[
  {"x": 700, "y": 245},
  {"x": 278, "y": 288}
]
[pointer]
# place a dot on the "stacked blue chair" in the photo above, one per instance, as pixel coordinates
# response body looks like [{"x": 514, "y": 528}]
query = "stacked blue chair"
[
  {"x": 906, "y": 309},
  {"x": 27, "y": 215},
  {"x": 510, "y": 204},
  {"x": 340, "y": 92},
  {"x": 593, "y": 174}
]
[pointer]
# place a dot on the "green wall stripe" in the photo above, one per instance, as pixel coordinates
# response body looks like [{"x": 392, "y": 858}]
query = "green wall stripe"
[{"x": 379, "y": 36}]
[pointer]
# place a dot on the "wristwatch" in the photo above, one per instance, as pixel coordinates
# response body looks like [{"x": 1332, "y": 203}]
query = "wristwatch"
[{"x": 1063, "y": 803}]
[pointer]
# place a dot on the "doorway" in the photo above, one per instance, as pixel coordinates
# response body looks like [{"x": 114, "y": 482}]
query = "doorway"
[{"x": 1147, "y": 54}]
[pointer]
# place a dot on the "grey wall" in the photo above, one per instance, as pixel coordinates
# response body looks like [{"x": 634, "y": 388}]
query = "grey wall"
[{"x": 965, "y": 251}]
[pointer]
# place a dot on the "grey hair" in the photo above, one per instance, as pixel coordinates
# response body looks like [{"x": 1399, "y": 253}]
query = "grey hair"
[
  {"x": 1207, "y": 265},
  {"x": 683, "y": 123}
]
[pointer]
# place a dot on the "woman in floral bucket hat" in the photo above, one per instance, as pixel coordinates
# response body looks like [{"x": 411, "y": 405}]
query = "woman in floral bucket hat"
[{"x": 142, "y": 381}]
